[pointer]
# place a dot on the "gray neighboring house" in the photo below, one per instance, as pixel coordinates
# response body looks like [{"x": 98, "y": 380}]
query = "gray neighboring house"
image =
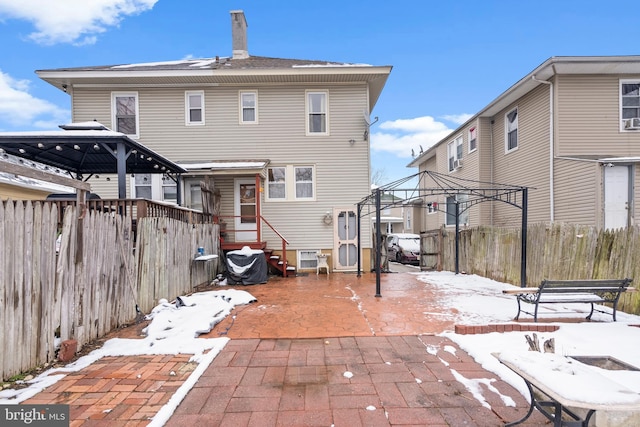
[
  {"x": 570, "y": 130},
  {"x": 285, "y": 140}
]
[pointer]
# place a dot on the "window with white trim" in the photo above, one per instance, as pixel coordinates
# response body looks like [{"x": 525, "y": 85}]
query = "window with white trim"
[
  {"x": 317, "y": 113},
  {"x": 248, "y": 107},
  {"x": 304, "y": 182},
  {"x": 454, "y": 152},
  {"x": 463, "y": 211},
  {"x": 276, "y": 183},
  {"x": 629, "y": 100},
  {"x": 432, "y": 207},
  {"x": 143, "y": 186},
  {"x": 194, "y": 107},
  {"x": 307, "y": 259},
  {"x": 511, "y": 130},
  {"x": 124, "y": 113},
  {"x": 291, "y": 182},
  {"x": 473, "y": 138},
  {"x": 169, "y": 189}
]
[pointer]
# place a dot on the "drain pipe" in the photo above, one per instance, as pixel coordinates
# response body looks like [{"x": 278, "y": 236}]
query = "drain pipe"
[{"x": 551, "y": 148}]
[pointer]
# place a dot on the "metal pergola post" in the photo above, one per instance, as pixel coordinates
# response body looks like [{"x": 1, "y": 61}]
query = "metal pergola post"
[{"x": 378, "y": 243}]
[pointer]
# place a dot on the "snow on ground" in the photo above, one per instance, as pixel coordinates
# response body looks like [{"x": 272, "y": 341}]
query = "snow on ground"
[{"x": 465, "y": 299}]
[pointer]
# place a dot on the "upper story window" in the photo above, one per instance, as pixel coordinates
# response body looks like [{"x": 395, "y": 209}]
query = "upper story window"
[
  {"x": 317, "y": 114},
  {"x": 473, "y": 138},
  {"x": 124, "y": 112},
  {"x": 248, "y": 107},
  {"x": 291, "y": 183},
  {"x": 629, "y": 102},
  {"x": 511, "y": 130},
  {"x": 194, "y": 111},
  {"x": 454, "y": 153}
]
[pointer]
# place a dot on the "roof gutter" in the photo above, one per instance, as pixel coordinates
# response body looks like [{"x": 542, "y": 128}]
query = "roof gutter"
[{"x": 551, "y": 148}]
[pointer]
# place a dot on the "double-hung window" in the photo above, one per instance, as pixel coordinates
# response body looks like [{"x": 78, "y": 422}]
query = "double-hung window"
[
  {"x": 511, "y": 130},
  {"x": 143, "y": 186},
  {"x": 463, "y": 211},
  {"x": 291, "y": 182},
  {"x": 629, "y": 101},
  {"x": 317, "y": 113},
  {"x": 277, "y": 183},
  {"x": 248, "y": 107},
  {"x": 124, "y": 113},
  {"x": 169, "y": 189},
  {"x": 454, "y": 153},
  {"x": 473, "y": 138},
  {"x": 194, "y": 108},
  {"x": 304, "y": 182}
]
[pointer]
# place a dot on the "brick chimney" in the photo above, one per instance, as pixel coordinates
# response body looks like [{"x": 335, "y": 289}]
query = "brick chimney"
[{"x": 239, "y": 34}]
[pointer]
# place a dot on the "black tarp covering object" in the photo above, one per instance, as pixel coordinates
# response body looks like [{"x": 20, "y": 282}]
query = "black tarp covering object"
[{"x": 246, "y": 266}]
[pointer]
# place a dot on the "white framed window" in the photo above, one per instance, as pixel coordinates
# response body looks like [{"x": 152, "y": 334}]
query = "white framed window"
[
  {"x": 194, "y": 107},
  {"x": 409, "y": 220},
  {"x": 454, "y": 153},
  {"x": 317, "y": 113},
  {"x": 450, "y": 216},
  {"x": 143, "y": 186},
  {"x": 304, "y": 182},
  {"x": 307, "y": 259},
  {"x": 169, "y": 189},
  {"x": 473, "y": 138},
  {"x": 432, "y": 207},
  {"x": 124, "y": 113},
  {"x": 290, "y": 182},
  {"x": 511, "y": 130},
  {"x": 277, "y": 183},
  {"x": 629, "y": 101},
  {"x": 248, "y": 107}
]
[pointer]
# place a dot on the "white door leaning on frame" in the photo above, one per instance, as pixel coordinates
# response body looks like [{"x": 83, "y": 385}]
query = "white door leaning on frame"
[{"x": 345, "y": 228}]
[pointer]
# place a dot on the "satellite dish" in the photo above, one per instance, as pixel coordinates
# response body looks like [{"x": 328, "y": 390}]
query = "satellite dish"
[{"x": 366, "y": 117}]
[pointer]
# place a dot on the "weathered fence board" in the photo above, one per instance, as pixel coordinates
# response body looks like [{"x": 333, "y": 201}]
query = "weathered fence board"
[{"x": 554, "y": 251}]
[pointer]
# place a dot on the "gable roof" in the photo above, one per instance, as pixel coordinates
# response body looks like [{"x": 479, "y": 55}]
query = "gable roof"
[
  {"x": 220, "y": 71},
  {"x": 556, "y": 65}
]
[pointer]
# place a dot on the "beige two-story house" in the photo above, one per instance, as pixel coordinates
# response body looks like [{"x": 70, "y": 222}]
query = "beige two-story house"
[
  {"x": 285, "y": 141},
  {"x": 569, "y": 131}
]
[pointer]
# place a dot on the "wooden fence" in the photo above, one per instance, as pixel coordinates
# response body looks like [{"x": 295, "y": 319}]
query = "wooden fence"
[
  {"x": 93, "y": 282},
  {"x": 554, "y": 251}
]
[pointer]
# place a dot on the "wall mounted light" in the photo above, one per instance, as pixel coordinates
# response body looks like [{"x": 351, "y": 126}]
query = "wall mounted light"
[{"x": 327, "y": 218}]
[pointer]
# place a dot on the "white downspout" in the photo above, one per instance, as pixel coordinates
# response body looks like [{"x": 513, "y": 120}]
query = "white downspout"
[{"x": 551, "y": 149}]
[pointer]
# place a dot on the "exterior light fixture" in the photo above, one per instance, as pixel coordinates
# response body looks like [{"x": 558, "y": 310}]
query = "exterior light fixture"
[{"x": 59, "y": 148}]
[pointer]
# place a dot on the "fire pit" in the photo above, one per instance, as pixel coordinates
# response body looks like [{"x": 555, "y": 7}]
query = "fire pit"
[{"x": 605, "y": 362}]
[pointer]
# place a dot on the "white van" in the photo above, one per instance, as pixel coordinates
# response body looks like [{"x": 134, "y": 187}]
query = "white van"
[{"x": 404, "y": 248}]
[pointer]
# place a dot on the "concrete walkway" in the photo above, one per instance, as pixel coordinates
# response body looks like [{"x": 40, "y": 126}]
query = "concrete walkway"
[{"x": 312, "y": 351}]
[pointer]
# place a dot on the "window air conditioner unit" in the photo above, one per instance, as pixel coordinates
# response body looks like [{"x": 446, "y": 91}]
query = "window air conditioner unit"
[
  {"x": 457, "y": 163},
  {"x": 632, "y": 124}
]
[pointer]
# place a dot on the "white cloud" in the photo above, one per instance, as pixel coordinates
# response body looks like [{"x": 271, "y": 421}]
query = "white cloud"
[
  {"x": 399, "y": 137},
  {"x": 457, "y": 118},
  {"x": 21, "y": 109},
  {"x": 71, "y": 21}
]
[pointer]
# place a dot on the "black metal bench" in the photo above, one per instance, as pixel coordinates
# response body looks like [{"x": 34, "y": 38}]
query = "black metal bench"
[{"x": 572, "y": 291}]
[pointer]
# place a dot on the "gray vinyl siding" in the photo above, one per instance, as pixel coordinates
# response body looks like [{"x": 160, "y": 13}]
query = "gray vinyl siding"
[
  {"x": 485, "y": 170},
  {"x": 341, "y": 168},
  {"x": 588, "y": 117},
  {"x": 527, "y": 166},
  {"x": 577, "y": 188}
]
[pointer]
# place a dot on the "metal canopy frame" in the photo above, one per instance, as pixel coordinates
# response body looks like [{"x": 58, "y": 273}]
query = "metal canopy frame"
[
  {"x": 84, "y": 153},
  {"x": 444, "y": 184}
]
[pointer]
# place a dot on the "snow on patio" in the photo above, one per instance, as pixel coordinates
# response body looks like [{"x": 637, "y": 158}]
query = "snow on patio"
[{"x": 468, "y": 299}]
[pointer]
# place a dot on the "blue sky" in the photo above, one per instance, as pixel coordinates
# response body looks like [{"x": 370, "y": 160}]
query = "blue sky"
[{"x": 449, "y": 58}]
